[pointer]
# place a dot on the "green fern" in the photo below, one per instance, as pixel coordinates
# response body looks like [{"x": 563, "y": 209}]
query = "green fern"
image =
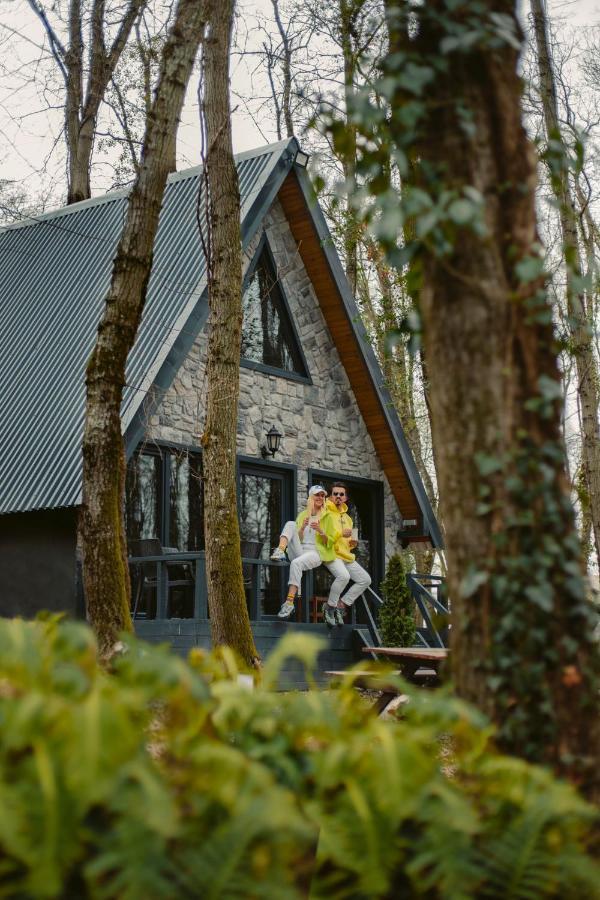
[{"x": 170, "y": 780}]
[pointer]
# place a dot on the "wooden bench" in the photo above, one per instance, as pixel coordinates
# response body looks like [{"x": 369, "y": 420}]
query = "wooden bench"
[
  {"x": 389, "y": 692},
  {"x": 411, "y": 659}
]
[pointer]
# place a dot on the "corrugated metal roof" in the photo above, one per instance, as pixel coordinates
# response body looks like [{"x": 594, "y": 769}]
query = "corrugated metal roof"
[{"x": 54, "y": 274}]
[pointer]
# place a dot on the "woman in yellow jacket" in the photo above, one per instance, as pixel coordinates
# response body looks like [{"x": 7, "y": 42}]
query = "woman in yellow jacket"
[
  {"x": 308, "y": 542},
  {"x": 344, "y": 567}
]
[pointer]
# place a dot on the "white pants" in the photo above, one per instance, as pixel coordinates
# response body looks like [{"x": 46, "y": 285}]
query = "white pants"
[
  {"x": 343, "y": 572},
  {"x": 302, "y": 557}
]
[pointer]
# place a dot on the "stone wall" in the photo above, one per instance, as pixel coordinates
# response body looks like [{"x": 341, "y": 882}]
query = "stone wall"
[{"x": 321, "y": 423}]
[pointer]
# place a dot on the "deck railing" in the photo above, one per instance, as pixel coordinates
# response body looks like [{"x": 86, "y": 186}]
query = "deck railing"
[
  {"x": 429, "y": 592},
  {"x": 152, "y": 574},
  {"x": 154, "y": 571}
]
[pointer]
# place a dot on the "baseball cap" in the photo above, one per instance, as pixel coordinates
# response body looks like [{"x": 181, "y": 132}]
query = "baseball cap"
[{"x": 317, "y": 489}]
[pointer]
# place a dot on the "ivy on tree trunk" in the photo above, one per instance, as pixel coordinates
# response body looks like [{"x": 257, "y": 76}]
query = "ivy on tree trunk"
[
  {"x": 522, "y": 629},
  {"x": 522, "y": 636}
]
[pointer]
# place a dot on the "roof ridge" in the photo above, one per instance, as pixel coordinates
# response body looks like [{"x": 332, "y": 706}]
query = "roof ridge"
[{"x": 121, "y": 193}]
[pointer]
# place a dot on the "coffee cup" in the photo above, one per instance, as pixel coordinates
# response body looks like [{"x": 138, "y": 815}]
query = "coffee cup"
[{"x": 355, "y": 534}]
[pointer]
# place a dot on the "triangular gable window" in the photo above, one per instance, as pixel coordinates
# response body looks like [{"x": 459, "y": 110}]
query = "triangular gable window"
[{"x": 268, "y": 336}]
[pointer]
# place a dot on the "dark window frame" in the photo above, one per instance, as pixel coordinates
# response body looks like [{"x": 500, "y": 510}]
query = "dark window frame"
[
  {"x": 265, "y": 246},
  {"x": 164, "y": 450},
  {"x": 287, "y": 474},
  {"x": 262, "y": 467}
]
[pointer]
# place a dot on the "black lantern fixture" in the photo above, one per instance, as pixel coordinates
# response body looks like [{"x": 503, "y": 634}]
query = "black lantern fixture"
[
  {"x": 273, "y": 442},
  {"x": 302, "y": 159},
  {"x": 407, "y": 532}
]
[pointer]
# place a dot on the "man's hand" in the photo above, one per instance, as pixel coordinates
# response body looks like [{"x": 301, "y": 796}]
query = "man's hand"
[
  {"x": 347, "y": 532},
  {"x": 352, "y": 544}
]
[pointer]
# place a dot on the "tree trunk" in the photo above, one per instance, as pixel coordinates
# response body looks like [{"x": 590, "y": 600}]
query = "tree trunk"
[
  {"x": 522, "y": 629},
  {"x": 580, "y": 327},
  {"x": 102, "y": 526},
  {"x": 286, "y": 71},
  {"x": 229, "y": 620},
  {"x": 398, "y": 370},
  {"x": 78, "y": 174},
  {"x": 81, "y": 113},
  {"x": 347, "y": 11}
]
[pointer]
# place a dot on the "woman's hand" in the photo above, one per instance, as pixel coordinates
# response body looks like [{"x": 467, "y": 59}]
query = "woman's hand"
[{"x": 317, "y": 527}]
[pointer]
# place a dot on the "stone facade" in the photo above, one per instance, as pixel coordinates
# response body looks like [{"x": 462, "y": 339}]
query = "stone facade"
[{"x": 321, "y": 423}]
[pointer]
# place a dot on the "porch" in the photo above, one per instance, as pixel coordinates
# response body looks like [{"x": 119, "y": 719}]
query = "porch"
[{"x": 170, "y": 605}]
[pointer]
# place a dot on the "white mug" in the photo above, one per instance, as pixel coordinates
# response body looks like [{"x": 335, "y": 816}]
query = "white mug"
[{"x": 355, "y": 534}]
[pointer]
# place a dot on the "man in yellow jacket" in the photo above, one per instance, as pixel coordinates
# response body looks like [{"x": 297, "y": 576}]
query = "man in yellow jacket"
[
  {"x": 344, "y": 567},
  {"x": 307, "y": 542}
]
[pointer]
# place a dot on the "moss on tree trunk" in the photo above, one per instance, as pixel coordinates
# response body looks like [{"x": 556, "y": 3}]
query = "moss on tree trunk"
[
  {"x": 101, "y": 523},
  {"x": 230, "y": 623},
  {"x": 521, "y": 638}
]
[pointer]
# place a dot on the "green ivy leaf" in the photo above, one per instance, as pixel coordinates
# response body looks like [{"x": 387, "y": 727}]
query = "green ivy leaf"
[
  {"x": 488, "y": 464},
  {"x": 541, "y": 596},
  {"x": 529, "y": 269},
  {"x": 472, "y": 582},
  {"x": 461, "y": 212},
  {"x": 414, "y": 78},
  {"x": 427, "y": 223},
  {"x": 550, "y": 388}
]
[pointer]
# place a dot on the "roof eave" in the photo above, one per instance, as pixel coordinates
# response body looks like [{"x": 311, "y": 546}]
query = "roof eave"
[{"x": 430, "y": 523}]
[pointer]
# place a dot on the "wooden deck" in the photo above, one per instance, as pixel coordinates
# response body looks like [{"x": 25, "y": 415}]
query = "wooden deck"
[{"x": 184, "y": 634}]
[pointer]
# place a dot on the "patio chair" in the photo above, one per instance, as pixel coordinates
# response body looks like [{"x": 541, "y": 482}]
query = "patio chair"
[{"x": 179, "y": 577}]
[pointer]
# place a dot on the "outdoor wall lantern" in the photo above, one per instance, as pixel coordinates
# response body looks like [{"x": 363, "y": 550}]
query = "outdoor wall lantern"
[
  {"x": 302, "y": 159},
  {"x": 273, "y": 442},
  {"x": 408, "y": 530}
]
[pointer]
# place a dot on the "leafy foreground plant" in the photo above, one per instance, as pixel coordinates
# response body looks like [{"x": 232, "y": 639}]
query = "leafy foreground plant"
[{"x": 168, "y": 779}]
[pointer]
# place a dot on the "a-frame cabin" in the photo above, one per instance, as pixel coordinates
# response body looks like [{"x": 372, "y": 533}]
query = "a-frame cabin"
[{"x": 307, "y": 369}]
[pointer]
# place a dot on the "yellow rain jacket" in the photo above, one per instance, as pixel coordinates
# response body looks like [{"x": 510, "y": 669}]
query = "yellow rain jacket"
[
  {"x": 341, "y": 521},
  {"x": 324, "y": 545}
]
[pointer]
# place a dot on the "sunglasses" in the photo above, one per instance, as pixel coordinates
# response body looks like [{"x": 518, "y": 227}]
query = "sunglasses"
[{"x": 336, "y": 494}]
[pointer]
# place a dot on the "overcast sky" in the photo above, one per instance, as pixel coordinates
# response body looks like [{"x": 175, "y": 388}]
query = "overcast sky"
[{"x": 28, "y": 129}]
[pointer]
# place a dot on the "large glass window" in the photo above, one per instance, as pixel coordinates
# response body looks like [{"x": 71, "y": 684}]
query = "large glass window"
[
  {"x": 265, "y": 497},
  {"x": 164, "y": 498},
  {"x": 143, "y": 497},
  {"x": 164, "y": 512},
  {"x": 268, "y": 336},
  {"x": 186, "y": 508}
]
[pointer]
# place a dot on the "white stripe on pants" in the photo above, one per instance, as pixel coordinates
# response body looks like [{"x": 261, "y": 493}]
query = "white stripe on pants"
[
  {"x": 343, "y": 572},
  {"x": 302, "y": 557}
]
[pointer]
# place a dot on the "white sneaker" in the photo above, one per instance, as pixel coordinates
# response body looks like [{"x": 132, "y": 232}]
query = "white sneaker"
[
  {"x": 278, "y": 554},
  {"x": 286, "y": 610},
  {"x": 329, "y": 614}
]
